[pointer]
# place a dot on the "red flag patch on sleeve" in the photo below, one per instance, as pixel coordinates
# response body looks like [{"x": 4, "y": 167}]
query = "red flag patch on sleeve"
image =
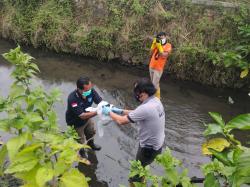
[{"x": 74, "y": 105}]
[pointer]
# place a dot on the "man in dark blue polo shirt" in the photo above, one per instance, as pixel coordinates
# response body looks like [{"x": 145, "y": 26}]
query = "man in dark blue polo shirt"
[{"x": 76, "y": 114}]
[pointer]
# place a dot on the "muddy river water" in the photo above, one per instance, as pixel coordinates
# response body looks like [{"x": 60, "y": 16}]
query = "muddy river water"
[{"x": 186, "y": 106}]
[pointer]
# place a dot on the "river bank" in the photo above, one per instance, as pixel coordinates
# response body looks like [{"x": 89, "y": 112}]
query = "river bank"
[{"x": 123, "y": 31}]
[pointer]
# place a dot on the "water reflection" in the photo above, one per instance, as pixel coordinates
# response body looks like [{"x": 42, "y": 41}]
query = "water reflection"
[{"x": 90, "y": 171}]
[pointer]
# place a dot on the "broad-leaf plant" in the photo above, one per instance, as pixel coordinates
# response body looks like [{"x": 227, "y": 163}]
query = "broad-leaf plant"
[{"x": 37, "y": 152}]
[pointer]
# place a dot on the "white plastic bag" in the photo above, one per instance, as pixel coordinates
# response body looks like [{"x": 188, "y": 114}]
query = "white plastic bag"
[{"x": 103, "y": 120}]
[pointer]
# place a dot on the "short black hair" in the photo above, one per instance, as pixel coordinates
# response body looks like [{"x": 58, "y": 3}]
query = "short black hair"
[
  {"x": 82, "y": 81},
  {"x": 144, "y": 85},
  {"x": 161, "y": 34}
]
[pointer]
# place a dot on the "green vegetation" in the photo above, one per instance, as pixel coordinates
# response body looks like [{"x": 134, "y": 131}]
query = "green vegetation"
[
  {"x": 37, "y": 153},
  {"x": 230, "y": 164},
  {"x": 174, "y": 172},
  {"x": 205, "y": 38}
]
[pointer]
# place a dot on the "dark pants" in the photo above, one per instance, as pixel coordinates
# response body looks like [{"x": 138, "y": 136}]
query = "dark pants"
[
  {"x": 146, "y": 155},
  {"x": 86, "y": 131}
]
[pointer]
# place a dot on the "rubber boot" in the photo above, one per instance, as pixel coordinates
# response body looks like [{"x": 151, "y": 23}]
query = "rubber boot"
[
  {"x": 82, "y": 153},
  {"x": 94, "y": 146},
  {"x": 158, "y": 93}
]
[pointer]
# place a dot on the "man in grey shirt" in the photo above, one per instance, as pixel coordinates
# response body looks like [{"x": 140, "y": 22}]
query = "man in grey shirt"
[{"x": 150, "y": 118}]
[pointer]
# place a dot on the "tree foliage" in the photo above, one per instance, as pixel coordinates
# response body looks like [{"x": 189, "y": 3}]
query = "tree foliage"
[
  {"x": 174, "y": 173},
  {"x": 37, "y": 152},
  {"x": 231, "y": 164}
]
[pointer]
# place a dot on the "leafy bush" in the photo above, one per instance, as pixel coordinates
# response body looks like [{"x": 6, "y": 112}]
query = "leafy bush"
[
  {"x": 239, "y": 55},
  {"x": 98, "y": 41},
  {"x": 174, "y": 174},
  {"x": 231, "y": 163},
  {"x": 37, "y": 152}
]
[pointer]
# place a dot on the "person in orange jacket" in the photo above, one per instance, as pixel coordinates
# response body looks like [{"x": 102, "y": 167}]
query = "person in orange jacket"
[{"x": 160, "y": 50}]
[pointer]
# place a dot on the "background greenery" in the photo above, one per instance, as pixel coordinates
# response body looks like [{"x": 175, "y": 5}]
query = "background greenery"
[{"x": 206, "y": 39}]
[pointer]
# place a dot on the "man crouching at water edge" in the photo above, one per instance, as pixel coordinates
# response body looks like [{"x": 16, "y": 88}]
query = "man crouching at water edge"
[
  {"x": 76, "y": 115},
  {"x": 150, "y": 118}
]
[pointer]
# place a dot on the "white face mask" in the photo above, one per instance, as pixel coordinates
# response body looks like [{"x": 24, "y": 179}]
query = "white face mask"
[{"x": 163, "y": 41}]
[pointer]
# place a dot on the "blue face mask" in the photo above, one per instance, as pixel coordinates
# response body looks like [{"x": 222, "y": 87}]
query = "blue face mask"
[{"x": 87, "y": 93}]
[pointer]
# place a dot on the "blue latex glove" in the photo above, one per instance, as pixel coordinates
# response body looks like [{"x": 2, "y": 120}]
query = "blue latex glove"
[
  {"x": 106, "y": 110},
  {"x": 116, "y": 110}
]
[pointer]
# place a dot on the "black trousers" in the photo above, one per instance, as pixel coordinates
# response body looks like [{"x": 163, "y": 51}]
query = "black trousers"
[{"x": 146, "y": 155}]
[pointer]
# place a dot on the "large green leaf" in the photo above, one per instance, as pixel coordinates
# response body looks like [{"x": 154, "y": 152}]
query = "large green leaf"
[
  {"x": 3, "y": 105},
  {"x": 238, "y": 181},
  {"x": 167, "y": 160},
  {"x": 218, "y": 167},
  {"x": 60, "y": 167},
  {"x": 12, "y": 56},
  {"x": 52, "y": 119},
  {"x": 244, "y": 158},
  {"x": 170, "y": 163},
  {"x": 185, "y": 181},
  {"x": 3, "y": 154},
  {"x": 241, "y": 122},
  {"x": 217, "y": 117},
  {"x": 33, "y": 119},
  {"x": 211, "y": 181},
  {"x": 15, "y": 143},
  {"x": 236, "y": 154},
  {"x": 221, "y": 156},
  {"x": 73, "y": 178},
  {"x": 72, "y": 144},
  {"x": 213, "y": 129},
  {"x": 31, "y": 100},
  {"x": 23, "y": 163},
  {"x": 21, "y": 61},
  {"x": 30, "y": 149},
  {"x": 16, "y": 90},
  {"x": 69, "y": 156},
  {"x": 29, "y": 185},
  {"x": 30, "y": 73},
  {"x": 242, "y": 173},
  {"x": 34, "y": 67},
  {"x": 17, "y": 123},
  {"x": 55, "y": 95},
  {"x": 53, "y": 139},
  {"x": 44, "y": 174},
  {"x": 4, "y": 125},
  {"x": 29, "y": 177},
  {"x": 173, "y": 176},
  {"x": 42, "y": 106}
]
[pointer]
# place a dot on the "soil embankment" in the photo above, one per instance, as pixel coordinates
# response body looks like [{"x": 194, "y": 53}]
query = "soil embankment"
[{"x": 123, "y": 30}]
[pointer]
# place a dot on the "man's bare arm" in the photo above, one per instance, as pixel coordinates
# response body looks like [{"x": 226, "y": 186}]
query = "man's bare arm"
[
  {"x": 121, "y": 120},
  {"x": 125, "y": 112},
  {"x": 87, "y": 115}
]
